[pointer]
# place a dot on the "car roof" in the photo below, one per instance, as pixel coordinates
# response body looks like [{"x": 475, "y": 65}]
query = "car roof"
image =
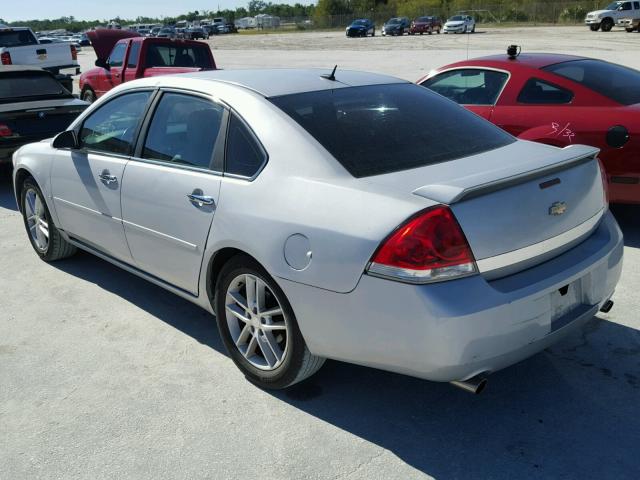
[
  {"x": 285, "y": 81},
  {"x": 531, "y": 60}
]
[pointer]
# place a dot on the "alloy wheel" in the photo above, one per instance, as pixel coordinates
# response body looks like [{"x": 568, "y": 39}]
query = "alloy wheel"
[
  {"x": 36, "y": 219},
  {"x": 258, "y": 324}
]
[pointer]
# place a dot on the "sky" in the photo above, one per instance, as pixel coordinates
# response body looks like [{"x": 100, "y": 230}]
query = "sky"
[{"x": 13, "y": 10}]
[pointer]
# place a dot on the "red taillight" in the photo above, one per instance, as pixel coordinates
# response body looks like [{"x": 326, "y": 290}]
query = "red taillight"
[
  {"x": 5, "y": 131},
  {"x": 5, "y": 58},
  {"x": 605, "y": 182},
  {"x": 74, "y": 52},
  {"x": 428, "y": 247}
]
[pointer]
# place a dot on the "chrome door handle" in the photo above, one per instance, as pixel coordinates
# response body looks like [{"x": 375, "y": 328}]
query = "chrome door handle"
[
  {"x": 106, "y": 178},
  {"x": 200, "y": 200}
]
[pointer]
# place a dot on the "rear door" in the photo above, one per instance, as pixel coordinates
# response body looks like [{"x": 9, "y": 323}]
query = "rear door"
[
  {"x": 87, "y": 182},
  {"x": 478, "y": 89},
  {"x": 170, "y": 190},
  {"x": 113, "y": 76}
]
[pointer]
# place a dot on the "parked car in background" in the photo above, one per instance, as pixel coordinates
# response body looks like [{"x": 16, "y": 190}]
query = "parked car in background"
[
  {"x": 396, "y": 26},
  {"x": 361, "y": 28},
  {"x": 630, "y": 24},
  {"x": 495, "y": 248},
  {"x": 422, "y": 25},
  {"x": 155, "y": 31},
  {"x": 84, "y": 40},
  {"x": 19, "y": 46},
  {"x": 606, "y": 18},
  {"x": 196, "y": 33},
  {"x": 33, "y": 106},
  {"x": 559, "y": 100},
  {"x": 167, "y": 32},
  {"x": 123, "y": 55},
  {"x": 460, "y": 24}
]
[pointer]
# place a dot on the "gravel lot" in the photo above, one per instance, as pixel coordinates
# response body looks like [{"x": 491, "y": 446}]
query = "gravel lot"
[{"x": 103, "y": 375}]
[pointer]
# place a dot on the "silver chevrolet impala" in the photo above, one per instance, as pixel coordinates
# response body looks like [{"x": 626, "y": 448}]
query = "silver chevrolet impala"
[{"x": 342, "y": 215}]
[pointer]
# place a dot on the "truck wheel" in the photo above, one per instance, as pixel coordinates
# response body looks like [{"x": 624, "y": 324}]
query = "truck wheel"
[
  {"x": 629, "y": 30},
  {"x": 594, "y": 28},
  {"x": 607, "y": 25},
  {"x": 88, "y": 95}
]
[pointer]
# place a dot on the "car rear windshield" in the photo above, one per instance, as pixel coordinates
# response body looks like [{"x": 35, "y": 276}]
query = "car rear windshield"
[
  {"x": 377, "y": 129},
  {"x": 26, "y": 85},
  {"x": 16, "y": 38},
  {"x": 177, "y": 55},
  {"x": 616, "y": 82}
]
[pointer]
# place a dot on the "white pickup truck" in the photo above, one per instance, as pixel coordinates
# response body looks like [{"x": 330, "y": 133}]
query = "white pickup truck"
[
  {"x": 611, "y": 14},
  {"x": 19, "y": 46}
]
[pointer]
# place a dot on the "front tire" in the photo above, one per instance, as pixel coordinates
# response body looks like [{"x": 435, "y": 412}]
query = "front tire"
[
  {"x": 607, "y": 25},
  {"x": 43, "y": 234},
  {"x": 258, "y": 327},
  {"x": 595, "y": 27}
]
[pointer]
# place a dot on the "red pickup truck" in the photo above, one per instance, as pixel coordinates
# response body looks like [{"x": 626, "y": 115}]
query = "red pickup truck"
[{"x": 125, "y": 55}]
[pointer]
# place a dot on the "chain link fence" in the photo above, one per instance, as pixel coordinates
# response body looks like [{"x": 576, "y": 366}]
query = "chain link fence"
[{"x": 489, "y": 12}]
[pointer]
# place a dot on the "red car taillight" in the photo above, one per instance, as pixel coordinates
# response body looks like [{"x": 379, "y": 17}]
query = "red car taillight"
[
  {"x": 429, "y": 247},
  {"x": 74, "y": 52},
  {"x": 605, "y": 183},
  {"x": 5, "y": 58},
  {"x": 5, "y": 131}
]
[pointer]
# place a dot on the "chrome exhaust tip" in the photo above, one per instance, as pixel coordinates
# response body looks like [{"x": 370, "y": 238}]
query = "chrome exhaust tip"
[
  {"x": 473, "y": 385},
  {"x": 606, "y": 306}
]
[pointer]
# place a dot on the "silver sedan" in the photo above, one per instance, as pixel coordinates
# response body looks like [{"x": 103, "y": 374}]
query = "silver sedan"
[{"x": 340, "y": 215}]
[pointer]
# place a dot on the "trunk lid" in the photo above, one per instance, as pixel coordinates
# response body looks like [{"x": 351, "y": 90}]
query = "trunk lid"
[
  {"x": 515, "y": 197},
  {"x": 43, "y": 119}
]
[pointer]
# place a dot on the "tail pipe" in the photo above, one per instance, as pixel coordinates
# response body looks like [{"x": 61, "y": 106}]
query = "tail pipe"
[{"x": 473, "y": 385}]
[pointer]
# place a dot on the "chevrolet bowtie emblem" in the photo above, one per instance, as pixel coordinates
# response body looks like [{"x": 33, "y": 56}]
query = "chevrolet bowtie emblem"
[{"x": 557, "y": 208}]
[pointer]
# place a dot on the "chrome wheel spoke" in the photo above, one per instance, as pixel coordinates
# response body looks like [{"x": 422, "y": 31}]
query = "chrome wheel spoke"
[
  {"x": 266, "y": 349},
  {"x": 250, "y": 287},
  {"x": 269, "y": 327},
  {"x": 273, "y": 346},
  {"x": 240, "y": 300},
  {"x": 251, "y": 347},
  {"x": 238, "y": 313},
  {"x": 244, "y": 335},
  {"x": 43, "y": 227},
  {"x": 272, "y": 312},
  {"x": 260, "y": 295}
]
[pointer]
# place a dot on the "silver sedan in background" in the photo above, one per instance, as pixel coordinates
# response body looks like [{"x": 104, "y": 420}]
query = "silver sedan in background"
[{"x": 350, "y": 216}]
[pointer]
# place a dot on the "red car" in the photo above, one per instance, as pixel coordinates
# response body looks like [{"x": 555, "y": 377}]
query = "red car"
[
  {"x": 125, "y": 55},
  {"x": 558, "y": 100},
  {"x": 425, "y": 25}
]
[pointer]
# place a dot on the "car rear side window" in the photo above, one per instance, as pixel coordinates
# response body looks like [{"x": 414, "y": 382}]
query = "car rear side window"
[
  {"x": 244, "y": 155},
  {"x": 177, "y": 55},
  {"x": 112, "y": 127},
  {"x": 620, "y": 84},
  {"x": 117, "y": 55},
  {"x": 471, "y": 86},
  {"x": 539, "y": 92},
  {"x": 377, "y": 129},
  {"x": 184, "y": 130},
  {"x": 134, "y": 50}
]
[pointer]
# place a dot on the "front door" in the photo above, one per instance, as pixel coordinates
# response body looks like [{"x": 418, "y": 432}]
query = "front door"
[
  {"x": 86, "y": 183},
  {"x": 170, "y": 190}
]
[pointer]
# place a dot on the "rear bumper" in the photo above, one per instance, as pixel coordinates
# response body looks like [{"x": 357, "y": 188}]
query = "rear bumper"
[{"x": 455, "y": 330}]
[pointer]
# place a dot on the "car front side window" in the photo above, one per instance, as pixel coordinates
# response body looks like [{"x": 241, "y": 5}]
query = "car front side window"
[
  {"x": 184, "y": 130},
  {"x": 112, "y": 127},
  {"x": 117, "y": 55},
  {"x": 468, "y": 86}
]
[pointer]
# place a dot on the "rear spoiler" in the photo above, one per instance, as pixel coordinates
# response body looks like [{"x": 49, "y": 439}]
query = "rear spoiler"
[{"x": 452, "y": 193}]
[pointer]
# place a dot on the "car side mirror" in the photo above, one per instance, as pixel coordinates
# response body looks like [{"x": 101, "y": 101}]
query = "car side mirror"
[
  {"x": 66, "y": 139},
  {"x": 102, "y": 64}
]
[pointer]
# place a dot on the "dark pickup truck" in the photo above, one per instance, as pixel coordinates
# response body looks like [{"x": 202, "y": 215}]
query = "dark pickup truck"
[
  {"x": 125, "y": 55},
  {"x": 33, "y": 106}
]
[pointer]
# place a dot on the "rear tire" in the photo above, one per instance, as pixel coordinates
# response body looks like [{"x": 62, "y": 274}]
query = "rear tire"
[
  {"x": 45, "y": 238},
  {"x": 244, "y": 289}
]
